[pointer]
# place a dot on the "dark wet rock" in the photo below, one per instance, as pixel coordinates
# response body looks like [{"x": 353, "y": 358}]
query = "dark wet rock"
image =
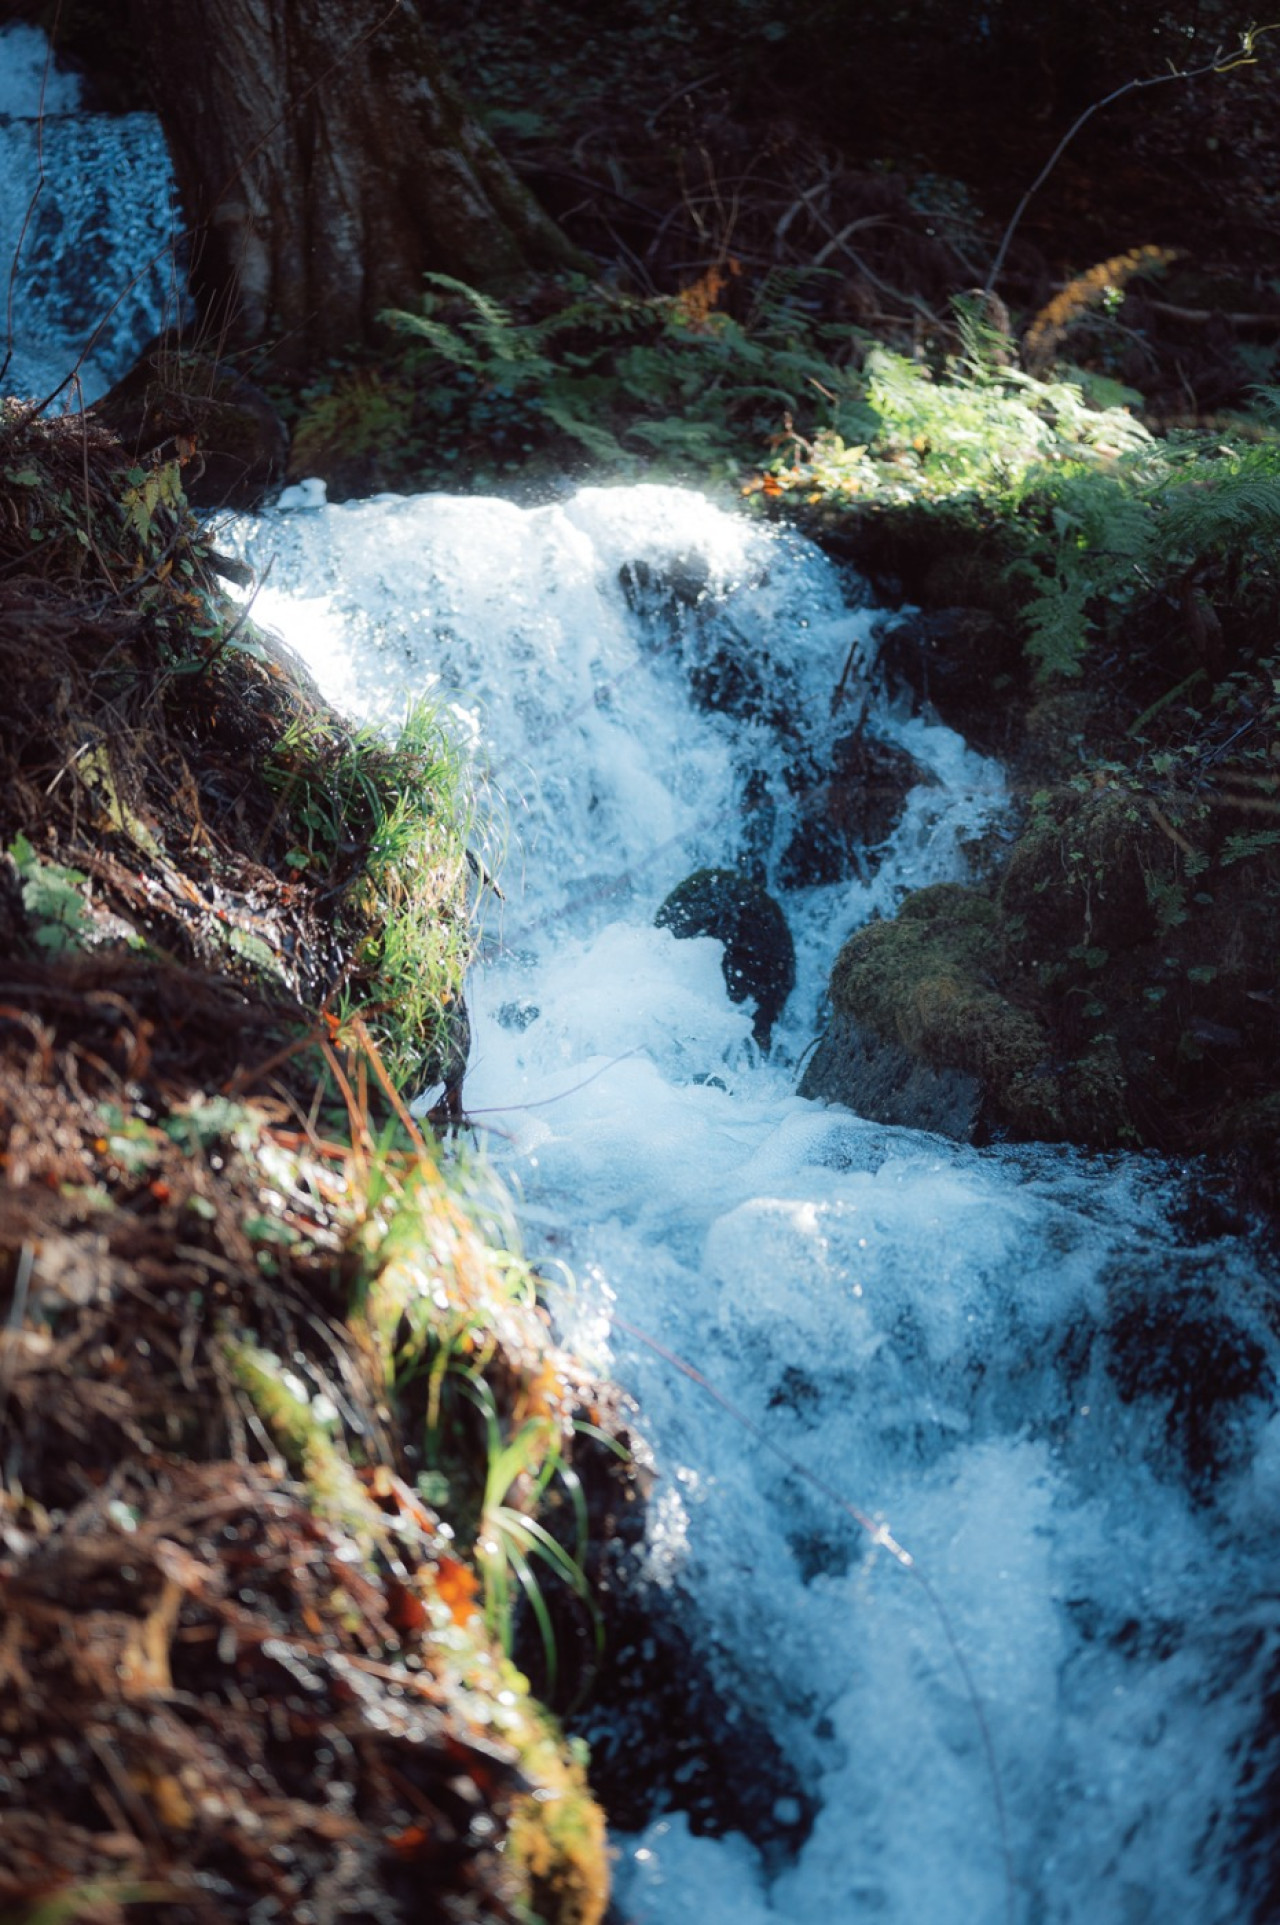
[
  {"x": 174, "y": 394},
  {"x": 447, "y": 1058},
  {"x": 1183, "y": 1351},
  {"x": 668, "y": 1734},
  {"x": 673, "y": 1724},
  {"x": 845, "y": 809},
  {"x": 758, "y": 813},
  {"x": 682, "y": 584},
  {"x": 964, "y": 663},
  {"x": 518, "y": 1014},
  {"x": 728, "y": 673},
  {"x": 759, "y": 955},
  {"x": 879, "y": 1079},
  {"x": 727, "y": 682}
]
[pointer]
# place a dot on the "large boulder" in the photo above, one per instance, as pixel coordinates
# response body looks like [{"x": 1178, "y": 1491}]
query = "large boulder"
[
  {"x": 879, "y": 1078},
  {"x": 759, "y": 955}
]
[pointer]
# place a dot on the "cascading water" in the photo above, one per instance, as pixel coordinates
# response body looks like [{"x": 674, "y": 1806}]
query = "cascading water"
[
  {"x": 1067, "y": 1708},
  {"x": 95, "y": 243},
  {"x": 1063, "y": 1407}
]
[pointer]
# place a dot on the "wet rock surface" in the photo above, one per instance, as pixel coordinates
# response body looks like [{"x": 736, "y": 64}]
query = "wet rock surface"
[
  {"x": 960, "y": 663},
  {"x": 878, "y": 1078},
  {"x": 759, "y": 955},
  {"x": 1200, "y": 1365},
  {"x": 666, "y": 1735},
  {"x": 846, "y": 806}
]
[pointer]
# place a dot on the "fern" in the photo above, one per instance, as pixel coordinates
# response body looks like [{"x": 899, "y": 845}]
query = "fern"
[
  {"x": 1109, "y": 278},
  {"x": 1057, "y": 622},
  {"x": 1225, "y": 505},
  {"x": 621, "y": 376},
  {"x": 596, "y": 440}
]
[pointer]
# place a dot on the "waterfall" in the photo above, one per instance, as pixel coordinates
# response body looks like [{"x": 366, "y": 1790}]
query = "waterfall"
[
  {"x": 1022, "y": 1365},
  {"x": 87, "y": 212},
  {"x": 1060, "y": 1403}
]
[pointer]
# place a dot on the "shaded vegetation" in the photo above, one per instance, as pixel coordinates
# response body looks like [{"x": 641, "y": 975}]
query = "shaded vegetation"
[{"x": 248, "y": 1657}]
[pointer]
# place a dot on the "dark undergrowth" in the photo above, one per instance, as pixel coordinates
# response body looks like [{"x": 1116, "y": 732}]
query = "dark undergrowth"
[{"x": 250, "y": 1656}]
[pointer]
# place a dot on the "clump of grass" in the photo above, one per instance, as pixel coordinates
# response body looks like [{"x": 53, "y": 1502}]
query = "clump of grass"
[
  {"x": 306, "y": 1431},
  {"x": 470, "y": 1363},
  {"x": 386, "y": 824}
]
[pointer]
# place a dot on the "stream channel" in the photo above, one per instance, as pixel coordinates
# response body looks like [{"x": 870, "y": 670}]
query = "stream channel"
[{"x": 1039, "y": 1681}]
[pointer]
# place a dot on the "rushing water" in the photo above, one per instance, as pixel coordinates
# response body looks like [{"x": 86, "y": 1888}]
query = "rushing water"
[
  {"x": 1062, "y": 1406},
  {"x": 87, "y": 213},
  {"x": 1061, "y": 1702}
]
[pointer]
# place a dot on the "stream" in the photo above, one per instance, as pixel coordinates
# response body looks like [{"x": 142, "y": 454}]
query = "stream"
[{"x": 973, "y": 1513}]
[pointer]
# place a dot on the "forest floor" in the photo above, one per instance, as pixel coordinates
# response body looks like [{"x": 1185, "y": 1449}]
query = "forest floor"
[{"x": 244, "y": 1661}]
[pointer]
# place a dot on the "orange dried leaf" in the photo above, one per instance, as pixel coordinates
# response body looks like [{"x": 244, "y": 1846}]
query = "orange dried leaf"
[
  {"x": 458, "y": 1587},
  {"x": 411, "y": 1842}
]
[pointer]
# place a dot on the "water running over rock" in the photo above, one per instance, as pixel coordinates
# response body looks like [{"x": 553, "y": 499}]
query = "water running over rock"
[
  {"x": 1064, "y": 1409},
  {"x": 98, "y": 261},
  {"x": 1063, "y": 1405}
]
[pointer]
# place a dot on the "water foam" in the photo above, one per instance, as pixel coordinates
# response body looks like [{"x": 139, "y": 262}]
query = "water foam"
[
  {"x": 951, "y": 1338},
  {"x": 99, "y": 264}
]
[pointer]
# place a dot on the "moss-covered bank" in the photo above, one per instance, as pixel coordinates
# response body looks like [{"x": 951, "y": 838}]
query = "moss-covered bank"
[{"x": 1111, "y": 976}]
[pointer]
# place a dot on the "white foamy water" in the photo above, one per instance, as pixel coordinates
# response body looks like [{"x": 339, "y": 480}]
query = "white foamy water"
[
  {"x": 1062, "y": 1408},
  {"x": 98, "y": 261}
]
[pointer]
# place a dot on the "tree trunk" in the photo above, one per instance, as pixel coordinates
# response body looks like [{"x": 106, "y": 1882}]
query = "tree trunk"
[{"x": 325, "y": 162}]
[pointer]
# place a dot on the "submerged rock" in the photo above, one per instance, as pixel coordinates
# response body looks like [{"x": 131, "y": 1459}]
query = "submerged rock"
[
  {"x": 1183, "y": 1350},
  {"x": 845, "y": 809},
  {"x": 728, "y": 672},
  {"x": 759, "y": 955}
]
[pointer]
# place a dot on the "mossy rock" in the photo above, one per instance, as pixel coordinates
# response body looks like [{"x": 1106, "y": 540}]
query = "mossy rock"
[
  {"x": 759, "y": 955},
  {"x": 931, "y": 990},
  {"x": 1103, "y": 867},
  {"x": 930, "y": 554}
]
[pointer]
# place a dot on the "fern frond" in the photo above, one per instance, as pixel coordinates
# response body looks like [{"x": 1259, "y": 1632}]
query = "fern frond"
[
  {"x": 1226, "y": 504},
  {"x": 595, "y": 439},
  {"x": 491, "y": 312},
  {"x": 1058, "y": 627},
  {"x": 446, "y": 341},
  {"x": 1049, "y": 326}
]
